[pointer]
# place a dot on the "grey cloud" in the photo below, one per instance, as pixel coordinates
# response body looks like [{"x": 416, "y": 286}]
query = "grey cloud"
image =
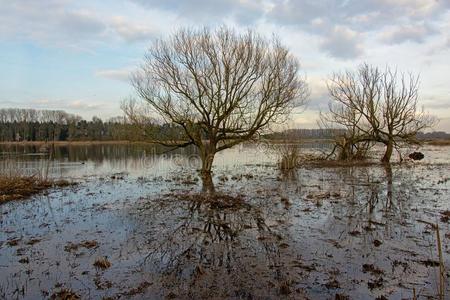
[
  {"x": 56, "y": 22},
  {"x": 342, "y": 42},
  {"x": 322, "y": 17},
  {"x": 80, "y": 23},
  {"x": 414, "y": 33},
  {"x": 245, "y": 12},
  {"x": 48, "y": 22},
  {"x": 131, "y": 32}
]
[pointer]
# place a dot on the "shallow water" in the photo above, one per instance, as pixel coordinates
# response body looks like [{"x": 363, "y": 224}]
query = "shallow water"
[{"x": 317, "y": 232}]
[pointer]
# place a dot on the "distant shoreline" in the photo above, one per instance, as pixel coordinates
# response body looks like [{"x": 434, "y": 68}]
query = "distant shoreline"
[
  {"x": 63, "y": 143},
  {"x": 436, "y": 142}
]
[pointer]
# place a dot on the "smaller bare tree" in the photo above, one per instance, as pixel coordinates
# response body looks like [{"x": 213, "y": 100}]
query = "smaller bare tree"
[
  {"x": 350, "y": 142},
  {"x": 377, "y": 106}
]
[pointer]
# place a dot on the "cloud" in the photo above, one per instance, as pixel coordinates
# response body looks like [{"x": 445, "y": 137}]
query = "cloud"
[
  {"x": 413, "y": 33},
  {"x": 342, "y": 23},
  {"x": 68, "y": 105},
  {"x": 131, "y": 32},
  {"x": 115, "y": 74},
  {"x": 62, "y": 24},
  {"x": 245, "y": 11},
  {"x": 40, "y": 101},
  {"x": 48, "y": 22},
  {"x": 83, "y": 105},
  {"x": 342, "y": 42},
  {"x": 80, "y": 23}
]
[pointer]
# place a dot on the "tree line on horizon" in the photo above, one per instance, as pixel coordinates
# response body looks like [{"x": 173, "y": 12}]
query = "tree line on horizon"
[{"x": 17, "y": 124}]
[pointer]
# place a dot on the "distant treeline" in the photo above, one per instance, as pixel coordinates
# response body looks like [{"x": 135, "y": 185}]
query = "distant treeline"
[
  {"x": 330, "y": 133},
  {"x": 57, "y": 125},
  {"x": 297, "y": 134},
  {"x": 435, "y": 135}
]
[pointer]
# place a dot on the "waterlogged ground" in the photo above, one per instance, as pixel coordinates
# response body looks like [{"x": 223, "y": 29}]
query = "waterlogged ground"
[{"x": 321, "y": 232}]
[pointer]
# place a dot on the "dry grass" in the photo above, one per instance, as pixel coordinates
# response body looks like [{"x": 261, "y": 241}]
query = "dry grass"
[
  {"x": 64, "y": 294},
  {"x": 21, "y": 186},
  {"x": 289, "y": 159},
  {"x": 102, "y": 263},
  {"x": 439, "y": 142},
  {"x": 323, "y": 163}
]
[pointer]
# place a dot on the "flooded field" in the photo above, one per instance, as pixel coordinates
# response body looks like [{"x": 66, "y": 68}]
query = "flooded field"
[{"x": 137, "y": 227}]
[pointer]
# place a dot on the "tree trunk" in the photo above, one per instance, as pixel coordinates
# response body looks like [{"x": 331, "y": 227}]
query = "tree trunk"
[
  {"x": 389, "y": 148},
  {"x": 205, "y": 172},
  {"x": 388, "y": 170},
  {"x": 345, "y": 153}
]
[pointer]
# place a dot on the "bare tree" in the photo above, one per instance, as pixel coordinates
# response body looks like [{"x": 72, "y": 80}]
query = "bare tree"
[
  {"x": 349, "y": 141},
  {"x": 380, "y": 106},
  {"x": 220, "y": 86}
]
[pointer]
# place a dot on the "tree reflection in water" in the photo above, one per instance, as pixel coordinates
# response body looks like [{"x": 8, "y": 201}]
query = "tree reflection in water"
[
  {"x": 203, "y": 245},
  {"x": 205, "y": 242}
]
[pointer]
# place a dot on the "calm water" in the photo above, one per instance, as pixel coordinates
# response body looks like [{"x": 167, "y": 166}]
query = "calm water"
[{"x": 316, "y": 232}]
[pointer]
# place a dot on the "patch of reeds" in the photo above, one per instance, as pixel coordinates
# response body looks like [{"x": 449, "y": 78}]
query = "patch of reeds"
[
  {"x": 102, "y": 263},
  {"x": 19, "y": 187},
  {"x": 23, "y": 186},
  {"x": 64, "y": 294},
  {"x": 289, "y": 157},
  {"x": 16, "y": 183}
]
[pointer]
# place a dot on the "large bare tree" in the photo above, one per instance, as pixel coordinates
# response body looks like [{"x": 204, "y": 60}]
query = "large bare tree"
[
  {"x": 220, "y": 86},
  {"x": 379, "y": 106}
]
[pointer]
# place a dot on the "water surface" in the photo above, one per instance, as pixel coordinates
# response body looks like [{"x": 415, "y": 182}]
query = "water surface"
[{"x": 314, "y": 233}]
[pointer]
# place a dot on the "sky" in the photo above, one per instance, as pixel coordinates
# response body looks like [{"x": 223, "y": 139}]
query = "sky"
[{"x": 77, "y": 55}]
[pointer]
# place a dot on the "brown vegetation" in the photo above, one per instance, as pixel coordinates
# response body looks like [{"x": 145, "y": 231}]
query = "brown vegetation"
[
  {"x": 102, "y": 263},
  {"x": 64, "y": 294},
  {"x": 20, "y": 186},
  {"x": 440, "y": 142}
]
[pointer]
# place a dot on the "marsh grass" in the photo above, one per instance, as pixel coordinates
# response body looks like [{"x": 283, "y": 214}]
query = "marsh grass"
[
  {"x": 17, "y": 183},
  {"x": 102, "y": 263},
  {"x": 289, "y": 156},
  {"x": 64, "y": 294}
]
